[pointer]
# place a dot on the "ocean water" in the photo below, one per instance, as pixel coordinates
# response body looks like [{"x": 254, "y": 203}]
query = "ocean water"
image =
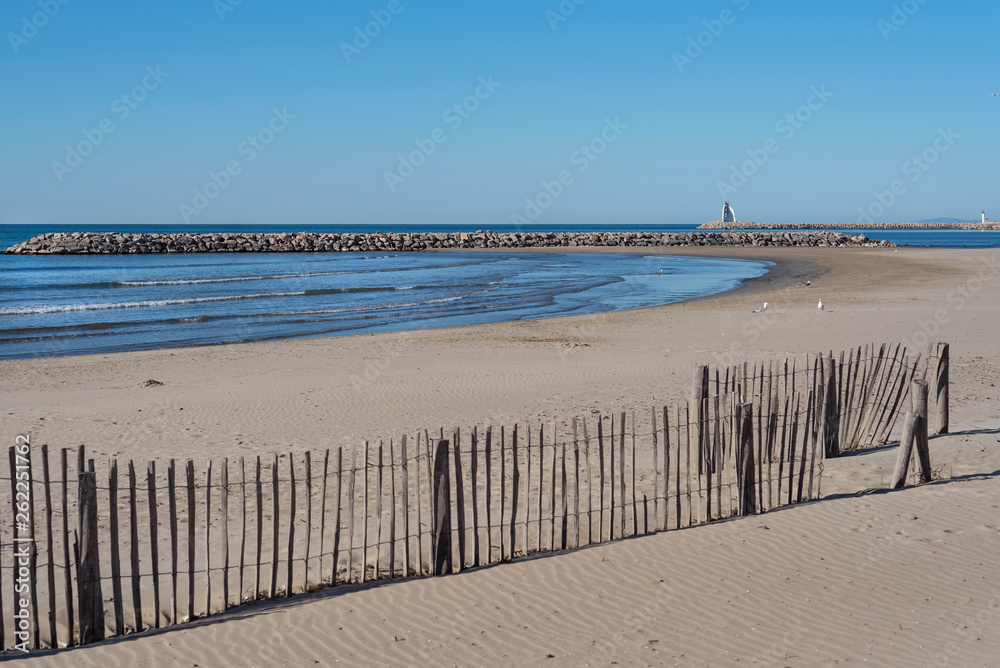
[{"x": 66, "y": 305}]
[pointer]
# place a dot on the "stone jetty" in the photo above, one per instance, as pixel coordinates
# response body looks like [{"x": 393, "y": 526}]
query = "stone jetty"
[
  {"x": 94, "y": 243},
  {"x": 719, "y": 225}
]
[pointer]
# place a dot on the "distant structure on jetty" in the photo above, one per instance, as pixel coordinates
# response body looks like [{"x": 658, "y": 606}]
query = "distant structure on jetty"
[
  {"x": 723, "y": 225},
  {"x": 728, "y": 215}
]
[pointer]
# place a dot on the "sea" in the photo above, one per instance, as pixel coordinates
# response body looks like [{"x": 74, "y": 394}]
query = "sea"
[{"x": 87, "y": 304}]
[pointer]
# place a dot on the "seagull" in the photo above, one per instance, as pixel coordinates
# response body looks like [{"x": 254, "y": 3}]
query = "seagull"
[
  {"x": 761, "y": 309},
  {"x": 807, "y": 283},
  {"x": 820, "y": 307}
]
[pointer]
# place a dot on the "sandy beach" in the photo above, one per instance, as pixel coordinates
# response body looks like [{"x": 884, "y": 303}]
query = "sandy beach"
[{"x": 861, "y": 576}]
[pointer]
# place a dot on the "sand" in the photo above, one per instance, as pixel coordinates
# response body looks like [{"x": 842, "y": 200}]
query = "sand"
[{"x": 901, "y": 578}]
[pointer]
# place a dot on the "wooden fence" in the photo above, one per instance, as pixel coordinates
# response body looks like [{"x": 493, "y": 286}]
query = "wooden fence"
[
  {"x": 169, "y": 543},
  {"x": 871, "y": 386}
]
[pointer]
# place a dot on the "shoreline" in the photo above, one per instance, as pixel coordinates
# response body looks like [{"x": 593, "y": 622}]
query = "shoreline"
[
  {"x": 781, "y": 272},
  {"x": 777, "y": 272}
]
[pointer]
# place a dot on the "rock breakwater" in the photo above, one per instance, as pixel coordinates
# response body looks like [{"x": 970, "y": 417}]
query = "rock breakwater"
[
  {"x": 718, "y": 225},
  {"x": 95, "y": 243}
]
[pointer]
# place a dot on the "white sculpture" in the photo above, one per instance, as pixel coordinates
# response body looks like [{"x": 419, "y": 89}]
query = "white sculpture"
[{"x": 728, "y": 215}]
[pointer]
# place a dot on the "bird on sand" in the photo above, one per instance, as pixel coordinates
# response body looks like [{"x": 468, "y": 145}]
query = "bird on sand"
[
  {"x": 820, "y": 307},
  {"x": 807, "y": 283},
  {"x": 761, "y": 309}
]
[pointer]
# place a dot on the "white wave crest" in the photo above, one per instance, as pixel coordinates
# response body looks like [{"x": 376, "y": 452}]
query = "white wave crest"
[{"x": 153, "y": 303}]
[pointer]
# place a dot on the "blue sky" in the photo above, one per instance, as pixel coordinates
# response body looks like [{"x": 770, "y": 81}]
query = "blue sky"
[{"x": 325, "y": 124}]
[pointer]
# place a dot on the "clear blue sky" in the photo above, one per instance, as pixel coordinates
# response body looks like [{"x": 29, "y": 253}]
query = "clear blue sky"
[{"x": 686, "y": 128}]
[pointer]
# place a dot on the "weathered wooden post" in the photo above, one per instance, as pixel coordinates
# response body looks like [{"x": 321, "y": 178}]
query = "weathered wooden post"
[
  {"x": 914, "y": 434},
  {"x": 919, "y": 391},
  {"x": 905, "y": 451},
  {"x": 699, "y": 399},
  {"x": 941, "y": 387},
  {"x": 89, "y": 574},
  {"x": 746, "y": 482},
  {"x": 442, "y": 511},
  {"x": 831, "y": 420},
  {"x": 116, "y": 568}
]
